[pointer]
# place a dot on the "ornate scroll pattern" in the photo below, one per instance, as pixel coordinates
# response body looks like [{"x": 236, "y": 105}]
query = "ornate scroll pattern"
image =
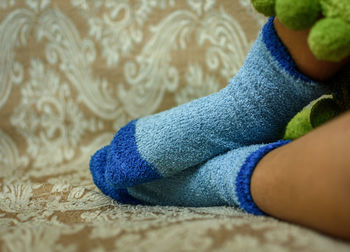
[
  {"x": 153, "y": 75},
  {"x": 71, "y": 74},
  {"x": 56, "y": 117},
  {"x": 251, "y": 11},
  {"x": 13, "y": 31},
  {"x": 4, "y": 4},
  {"x": 11, "y": 162}
]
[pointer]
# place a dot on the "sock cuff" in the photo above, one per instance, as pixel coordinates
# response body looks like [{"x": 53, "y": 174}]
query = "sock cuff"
[
  {"x": 244, "y": 176},
  {"x": 279, "y": 52}
]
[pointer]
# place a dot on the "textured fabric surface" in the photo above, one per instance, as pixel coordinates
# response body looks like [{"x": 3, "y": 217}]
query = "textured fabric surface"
[{"x": 72, "y": 72}]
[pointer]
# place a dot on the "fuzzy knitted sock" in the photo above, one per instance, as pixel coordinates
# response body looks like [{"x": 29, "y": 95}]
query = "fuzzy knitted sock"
[
  {"x": 222, "y": 180},
  {"x": 254, "y": 108},
  {"x": 97, "y": 168}
]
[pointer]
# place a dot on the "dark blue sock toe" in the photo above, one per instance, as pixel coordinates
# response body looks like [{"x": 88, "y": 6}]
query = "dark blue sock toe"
[
  {"x": 125, "y": 167},
  {"x": 97, "y": 169}
]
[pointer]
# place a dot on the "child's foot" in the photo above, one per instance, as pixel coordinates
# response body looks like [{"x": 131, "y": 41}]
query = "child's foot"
[
  {"x": 254, "y": 108},
  {"x": 223, "y": 180}
]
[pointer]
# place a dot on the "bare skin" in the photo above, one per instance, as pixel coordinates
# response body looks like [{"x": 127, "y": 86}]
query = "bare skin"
[
  {"x": 296, "y": 42},
  {"x": 307, "y": 181}
]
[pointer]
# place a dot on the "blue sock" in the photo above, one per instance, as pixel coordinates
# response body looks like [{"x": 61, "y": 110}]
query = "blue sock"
[
  {"x": 222, "y": 181},
  {"x": 97, "y": 169},
  {"x": 254, "y": 108}
]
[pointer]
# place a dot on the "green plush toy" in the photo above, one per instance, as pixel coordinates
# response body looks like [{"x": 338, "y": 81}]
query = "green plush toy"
[
  {"x": 324, "y": 109},
  {"x": 330, "y": 21},
  {"x": 329, "y": 39}
]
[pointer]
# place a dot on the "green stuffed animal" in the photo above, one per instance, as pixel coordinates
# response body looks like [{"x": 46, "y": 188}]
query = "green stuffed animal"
[
  {"x": 324, "y": 109},
  {"x": 329, "y": 39},
  {"x": 330, "y": 21}
]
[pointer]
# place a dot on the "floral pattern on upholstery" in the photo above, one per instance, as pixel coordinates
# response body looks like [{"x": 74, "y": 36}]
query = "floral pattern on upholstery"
[{"x": 71, "y": 74}]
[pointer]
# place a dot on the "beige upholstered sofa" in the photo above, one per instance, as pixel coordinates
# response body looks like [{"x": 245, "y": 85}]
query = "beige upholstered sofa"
[{"x": 72, "y": 72}]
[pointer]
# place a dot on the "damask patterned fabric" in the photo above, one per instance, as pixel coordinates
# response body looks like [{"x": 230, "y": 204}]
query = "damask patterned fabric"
[{"x": 72, "y": 73}]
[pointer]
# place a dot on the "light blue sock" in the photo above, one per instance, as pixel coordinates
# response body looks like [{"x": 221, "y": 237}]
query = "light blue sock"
[
  {"x": 221, "y": 181},
  {"x": 254, "y": 108}
]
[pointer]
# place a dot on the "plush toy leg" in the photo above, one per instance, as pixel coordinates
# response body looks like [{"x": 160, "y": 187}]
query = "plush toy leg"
[
  {"x": 223, "y": 180},
  {"x": 254, "y": 108}
]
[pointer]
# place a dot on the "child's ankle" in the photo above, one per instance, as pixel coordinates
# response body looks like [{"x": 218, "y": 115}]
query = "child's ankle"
[{"x": 307, "y": 63}]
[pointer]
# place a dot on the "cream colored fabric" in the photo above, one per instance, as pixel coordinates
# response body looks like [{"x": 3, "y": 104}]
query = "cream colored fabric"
[{"x": 71, "y": 74}]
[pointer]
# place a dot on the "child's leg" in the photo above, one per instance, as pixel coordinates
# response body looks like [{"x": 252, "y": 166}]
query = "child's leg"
[
  {"x": 308, "y": 181},
  {"x": 254, "y": 108}
]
